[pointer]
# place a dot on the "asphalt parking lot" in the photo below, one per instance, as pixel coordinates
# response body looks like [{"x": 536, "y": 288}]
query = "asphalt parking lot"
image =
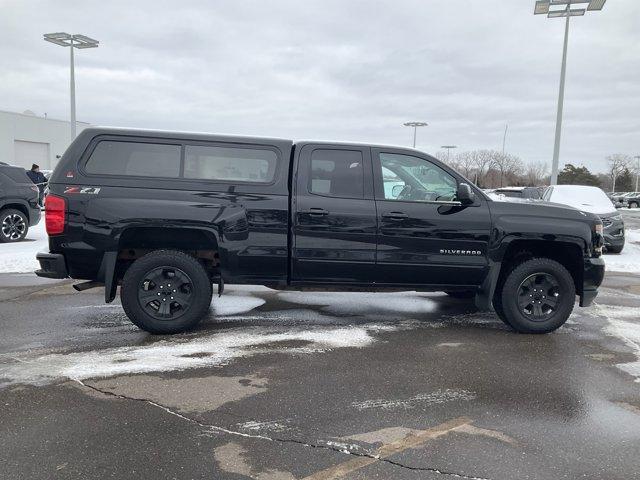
[{"x": 288, "y": 385}]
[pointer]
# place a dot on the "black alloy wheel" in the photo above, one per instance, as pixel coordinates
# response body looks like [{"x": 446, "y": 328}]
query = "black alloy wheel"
[
  {"x": 538, "y": 296},
  {"x": 165, "y": 293}
]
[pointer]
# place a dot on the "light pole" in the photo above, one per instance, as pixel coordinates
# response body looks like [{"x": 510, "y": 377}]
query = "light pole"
[
  {"x": 72, "y": 41},
  {"x": 544, "y": 7},
  {"x": 504, "y": 138},
  {"x": 449, "y": 148},
  {"x": 415, "y": 126},
  {"x": 637, "y": 157}
]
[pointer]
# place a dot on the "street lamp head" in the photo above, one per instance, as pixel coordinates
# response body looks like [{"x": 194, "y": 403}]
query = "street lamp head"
[
  {"x": 543, "y": 7},
  {"x": 67, "y": 40},
  {"x": 59, "y": 38},
  {"x": 448, "y": 147},
  {"x": 415, "y": 124},
  {"x": 82, "y": 41}
]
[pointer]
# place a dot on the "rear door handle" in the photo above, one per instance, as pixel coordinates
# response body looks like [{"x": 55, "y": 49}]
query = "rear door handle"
[
  {"x": 316, "y": 211},
  {"x": 395, "y": 215}
]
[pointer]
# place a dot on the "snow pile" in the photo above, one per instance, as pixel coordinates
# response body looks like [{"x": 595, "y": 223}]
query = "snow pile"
[
  {"x": 624, "y": 323},
  {"x": 354, "y": 303},
  {"x": 21, "y": 256},
  {"x": 180, "y": 353},
  {"x": 234, "y": 304},
  {"x": 629, "y": 260}
]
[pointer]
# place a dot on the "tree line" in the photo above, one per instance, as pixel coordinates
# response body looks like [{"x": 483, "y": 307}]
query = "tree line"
[{"x": 494, "y": 169}]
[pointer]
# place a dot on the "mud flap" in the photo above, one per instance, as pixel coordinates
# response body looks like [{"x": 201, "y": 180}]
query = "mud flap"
[
  {"x": 107, "y": 272},
  {"x": 484, "y": 297}
]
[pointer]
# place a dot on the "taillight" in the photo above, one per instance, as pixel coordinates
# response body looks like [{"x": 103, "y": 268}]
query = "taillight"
[{"x": 54, "y": 214}]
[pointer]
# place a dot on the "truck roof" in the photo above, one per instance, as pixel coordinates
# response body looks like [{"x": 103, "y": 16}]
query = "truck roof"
[{"x": 205, "y": 136}]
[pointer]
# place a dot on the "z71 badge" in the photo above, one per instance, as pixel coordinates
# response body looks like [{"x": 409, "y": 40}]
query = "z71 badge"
[{"x": 87, "y": 190}]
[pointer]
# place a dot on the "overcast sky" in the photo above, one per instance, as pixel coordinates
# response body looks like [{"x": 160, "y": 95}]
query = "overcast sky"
[{"x": 341, "y": 69}]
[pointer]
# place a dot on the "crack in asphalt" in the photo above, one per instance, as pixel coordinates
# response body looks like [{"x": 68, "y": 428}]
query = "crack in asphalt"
[{"x": 275, "y": 439}]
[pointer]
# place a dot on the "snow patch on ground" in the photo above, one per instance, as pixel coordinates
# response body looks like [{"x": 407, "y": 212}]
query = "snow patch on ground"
[
  {"x": 235, "y": 304},
  {"x": 629, "y": 260},
  {"x": 20, "y": 257},
  {"x": 179, "y": 353},
  {"x": 624, "y": 323},
  {"x": 437, "y": 397},
  {"x": 354, "y": 303}
]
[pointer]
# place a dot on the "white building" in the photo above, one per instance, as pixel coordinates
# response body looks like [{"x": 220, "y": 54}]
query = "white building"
[{"x": 26, "y": 139}]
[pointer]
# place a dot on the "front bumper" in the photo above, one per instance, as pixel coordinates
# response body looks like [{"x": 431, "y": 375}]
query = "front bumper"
[
  {"x": 593, "y": 276},
  {"x": 52, "y": 265}
]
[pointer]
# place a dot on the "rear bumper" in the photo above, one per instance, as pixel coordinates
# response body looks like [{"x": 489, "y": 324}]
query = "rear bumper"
[
  {"x": 34, "y": 215},
  {"x": 52, "y": 265},
  {"x": 592, "y": 278}
]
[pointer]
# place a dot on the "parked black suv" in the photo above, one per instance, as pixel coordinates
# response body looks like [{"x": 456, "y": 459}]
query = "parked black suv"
[
  {"x": 19, "y": 207},
  {"x": 166, "y": 215}
]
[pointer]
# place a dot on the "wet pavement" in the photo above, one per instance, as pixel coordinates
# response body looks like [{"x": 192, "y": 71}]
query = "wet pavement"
[{"x": 287, "y": 385}]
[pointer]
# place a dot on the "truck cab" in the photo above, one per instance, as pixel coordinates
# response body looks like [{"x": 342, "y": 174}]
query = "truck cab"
[{"x": 167, "y": 215}]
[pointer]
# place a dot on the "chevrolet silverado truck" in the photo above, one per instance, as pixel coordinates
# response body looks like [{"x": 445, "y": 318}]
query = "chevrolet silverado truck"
[{"x": 168, "y": 215}]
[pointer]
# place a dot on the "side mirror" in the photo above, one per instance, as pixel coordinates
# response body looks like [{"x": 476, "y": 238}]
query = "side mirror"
[
  {"x": 396, "y": 190},
  {"x": 465, "y": 195}
]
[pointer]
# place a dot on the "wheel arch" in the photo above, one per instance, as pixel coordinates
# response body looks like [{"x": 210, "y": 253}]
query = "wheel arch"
[
  {"x": 568, "y": 254},
  {"x": 16, "y": 205},
  {"x": 136, "y": 241}
]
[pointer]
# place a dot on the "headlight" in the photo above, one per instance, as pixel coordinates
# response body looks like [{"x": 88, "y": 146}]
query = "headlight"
[{"x": 616, "y": 217}]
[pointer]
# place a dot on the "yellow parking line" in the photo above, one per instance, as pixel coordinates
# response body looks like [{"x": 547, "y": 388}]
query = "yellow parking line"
[{"x": 410, "y": 441}]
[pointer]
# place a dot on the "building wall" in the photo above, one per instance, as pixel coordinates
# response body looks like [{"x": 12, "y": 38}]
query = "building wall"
[{"x": 27, "y": 139}]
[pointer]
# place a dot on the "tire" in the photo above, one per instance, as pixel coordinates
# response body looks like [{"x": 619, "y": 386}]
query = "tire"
[
  {"x": 528, "y": 292},
  {"x": 497, "y": 306},
  {"x": 615, "y": 249},
  {"x": 633, "y": 204},
  {"x": 14, "y": 226},
  {"x": 462, "y": 294},
  {"x": 178, "y": 308}
]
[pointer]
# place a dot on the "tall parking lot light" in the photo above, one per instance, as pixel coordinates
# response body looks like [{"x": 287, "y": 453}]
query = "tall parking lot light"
[
  {"x": 547, "y": 7},
  {"x": 448, "y": 148},
  {"x": 415, "y": 126},
  {"x": 637, "y": 157},
  {"x": 73, "y": 41}
]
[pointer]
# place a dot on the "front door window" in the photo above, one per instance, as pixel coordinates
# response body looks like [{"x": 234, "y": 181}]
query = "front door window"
[{"x": 409, "y": 178}]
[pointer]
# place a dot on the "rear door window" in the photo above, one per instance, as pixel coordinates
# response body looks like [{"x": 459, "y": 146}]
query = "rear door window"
[
  {"x": 112, "y": 157},
  {"x": 230, "y": 164},
  {"x": 337, "y": 173}
]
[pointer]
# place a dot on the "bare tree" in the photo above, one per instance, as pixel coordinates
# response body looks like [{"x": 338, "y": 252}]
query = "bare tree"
[
  {"x": 535, "y": 173},
  {"x": 618, "y": 163},
  {"x": 465, "y": 164},
  {"x": 482, "y": 160},
  {"x": 508, "y": 165}
]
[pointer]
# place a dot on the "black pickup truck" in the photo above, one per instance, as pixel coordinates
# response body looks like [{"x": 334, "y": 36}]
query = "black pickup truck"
[{"x": 168, "y": 215}]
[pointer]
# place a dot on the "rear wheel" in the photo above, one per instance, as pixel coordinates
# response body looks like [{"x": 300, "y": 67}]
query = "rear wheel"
[
  {"x": 14, "y": 225},
  {"x": 537, "y": 296},
  {"x": 633, "y": 204},
  {"x": 165, "y": 292}
]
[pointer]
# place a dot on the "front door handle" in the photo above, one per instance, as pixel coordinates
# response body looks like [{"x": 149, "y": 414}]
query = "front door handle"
[
  {"x": 316, "y": 211},
  {"x": 395, "y": 215}
]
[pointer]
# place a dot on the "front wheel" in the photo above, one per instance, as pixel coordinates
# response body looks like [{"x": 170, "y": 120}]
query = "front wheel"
[
  {"x": 633, "y": 204},
  {"x": 537, "y": 296},
  {"x": 14, "y": 225},
  {"x": 166, "y": 292}
]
